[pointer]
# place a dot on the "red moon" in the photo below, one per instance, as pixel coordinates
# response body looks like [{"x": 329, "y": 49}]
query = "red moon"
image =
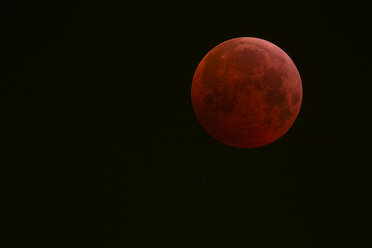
[{"x": 246, "y": 92}]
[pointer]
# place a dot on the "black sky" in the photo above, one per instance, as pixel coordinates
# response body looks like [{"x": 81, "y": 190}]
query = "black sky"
[{"x": 103, "y": 148}]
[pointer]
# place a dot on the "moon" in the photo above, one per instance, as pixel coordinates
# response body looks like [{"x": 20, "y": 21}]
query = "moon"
[{"x": 246, "y": 92}]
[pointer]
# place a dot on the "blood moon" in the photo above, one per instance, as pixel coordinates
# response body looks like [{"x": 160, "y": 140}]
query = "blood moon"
[{"x": 246, "y": 92}]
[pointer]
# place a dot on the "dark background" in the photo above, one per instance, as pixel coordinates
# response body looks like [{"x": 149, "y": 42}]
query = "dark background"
[{"x": 102, "y": 148}]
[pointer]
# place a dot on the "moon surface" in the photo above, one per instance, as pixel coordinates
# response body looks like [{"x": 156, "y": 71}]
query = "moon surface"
[{"x": 246, "y": 92}]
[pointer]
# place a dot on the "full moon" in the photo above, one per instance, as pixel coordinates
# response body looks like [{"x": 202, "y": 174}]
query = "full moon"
[{"x": 246, "y": 92}]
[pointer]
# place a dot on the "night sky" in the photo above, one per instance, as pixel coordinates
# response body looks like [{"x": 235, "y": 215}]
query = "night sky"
[{"x": 102, "y": 147}]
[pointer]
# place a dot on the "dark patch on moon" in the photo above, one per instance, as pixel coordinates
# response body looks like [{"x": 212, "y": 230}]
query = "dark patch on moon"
[
  {"x": 275, "y": 98},
  {"x": 284, "y": 113},
  {"x": 242, "y": 86},
  {"x": 274, "y": 95},
  {"x": 221, "y": 101},
  {"x": 273, "y": 79}
]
